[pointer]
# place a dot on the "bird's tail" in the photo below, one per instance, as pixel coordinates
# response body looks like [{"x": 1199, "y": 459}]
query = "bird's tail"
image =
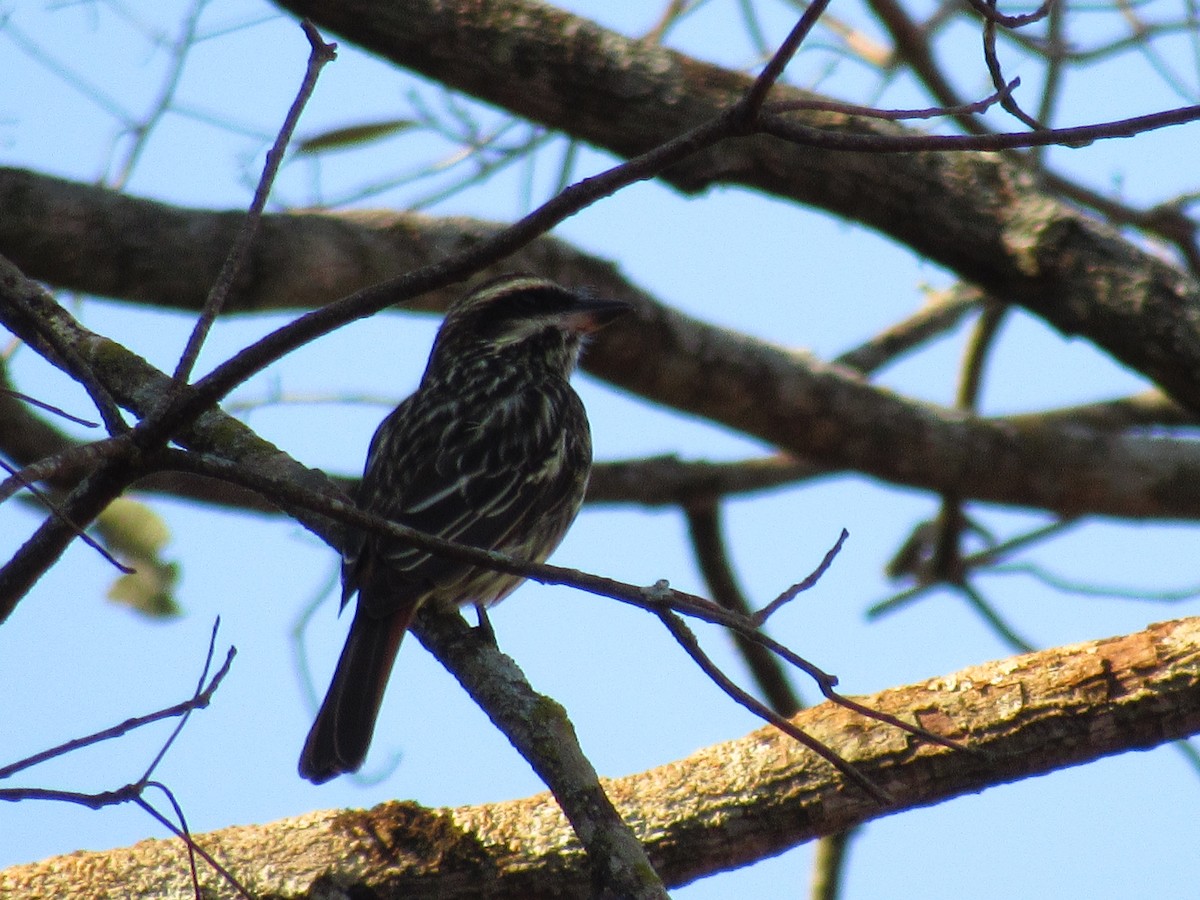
[{"x": 340, "y": 736}]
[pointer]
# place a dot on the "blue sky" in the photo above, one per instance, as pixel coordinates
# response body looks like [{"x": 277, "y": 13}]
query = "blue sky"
[{"x": 75, "y": 663}]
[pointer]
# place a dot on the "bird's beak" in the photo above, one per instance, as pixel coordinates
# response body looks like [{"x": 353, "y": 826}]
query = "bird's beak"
[{"x": 593, "y": 313}]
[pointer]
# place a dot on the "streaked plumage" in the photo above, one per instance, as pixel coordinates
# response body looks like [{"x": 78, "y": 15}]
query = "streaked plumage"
[{"x": 492, "y": 450}]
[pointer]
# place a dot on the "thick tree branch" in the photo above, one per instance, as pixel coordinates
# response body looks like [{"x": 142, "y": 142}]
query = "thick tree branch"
[
  {"x": 823, "y": 413},
  {"x": 723, "y": 807},
  {"x": 977, "y": 214}
]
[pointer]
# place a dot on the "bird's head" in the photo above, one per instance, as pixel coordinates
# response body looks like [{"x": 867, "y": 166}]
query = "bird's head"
[{"x": 519, "y": 315}]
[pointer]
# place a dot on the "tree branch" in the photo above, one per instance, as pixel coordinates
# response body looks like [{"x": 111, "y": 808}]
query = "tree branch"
[
  {"x": 1029, "y": 715},
  {"x": 981, "y": 216},
  {"x": 821, "y": 413}
]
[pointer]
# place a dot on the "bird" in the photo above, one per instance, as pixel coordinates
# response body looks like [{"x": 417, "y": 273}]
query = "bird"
[{"x": 492, "y": 450}]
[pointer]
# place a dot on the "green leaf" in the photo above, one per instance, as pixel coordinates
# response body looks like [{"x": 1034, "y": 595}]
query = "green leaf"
[
  {"x": 149, "y": 589},
  {"x": 136, "y": 534},
  {"x": 353, "y": 136}
]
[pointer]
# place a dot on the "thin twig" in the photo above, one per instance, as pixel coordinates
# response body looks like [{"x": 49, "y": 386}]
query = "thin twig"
[
  {"x": 187, "y": 713},
  {"x": 199, "y": 700},
  {"x": 987, "y": 9},
  {"x": 1076, "y": 136},
  {"x": 687, "y": 639},
  {"x": 992, "y": 60},
  {"x": 192, "y": 846},
  {"x": 895, "y": 115},
  {"x": 50, "y": 408},
  {"x": 320, "y": 54},
  {"x": 20, "y": 479},
  {"x": 135, "y": 792},
  {"x": 182, "y": 831},
  {"x": 708, "y": 545},
  {"x": 753, "y": 101},
  {"x": 72, "y": 362},
  {"x": 760, "y": 617}
]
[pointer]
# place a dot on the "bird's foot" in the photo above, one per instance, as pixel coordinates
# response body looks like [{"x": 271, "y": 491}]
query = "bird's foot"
[{"x": 484, "y": 630}]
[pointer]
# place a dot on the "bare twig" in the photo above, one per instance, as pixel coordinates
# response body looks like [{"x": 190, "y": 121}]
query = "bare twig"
[
  {"x": 753, "y": 101},
  {"x": 19, "y": 479},
  {"x": 987, "y": 9},
  {"x": 704, "y": 528},
  {"x": 992, "y": 59},
  {"x": 1075, "y": 136},
  {"x": 320, "y": 54},
  {"x": 686, "y": 639},
  {"x": 199, "y": 700},
  {"x": 50, "y": 408},
  {"x": 200, "y": 692},
  {"x": 760, "y": 617},
  {"x": 708, "y": 544},
  {"x": 135, "y": 791},
  {"x": 896, "y": 115},
  {"x": 47, "y": 343},
  {"x": 181, "y": 831}
]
